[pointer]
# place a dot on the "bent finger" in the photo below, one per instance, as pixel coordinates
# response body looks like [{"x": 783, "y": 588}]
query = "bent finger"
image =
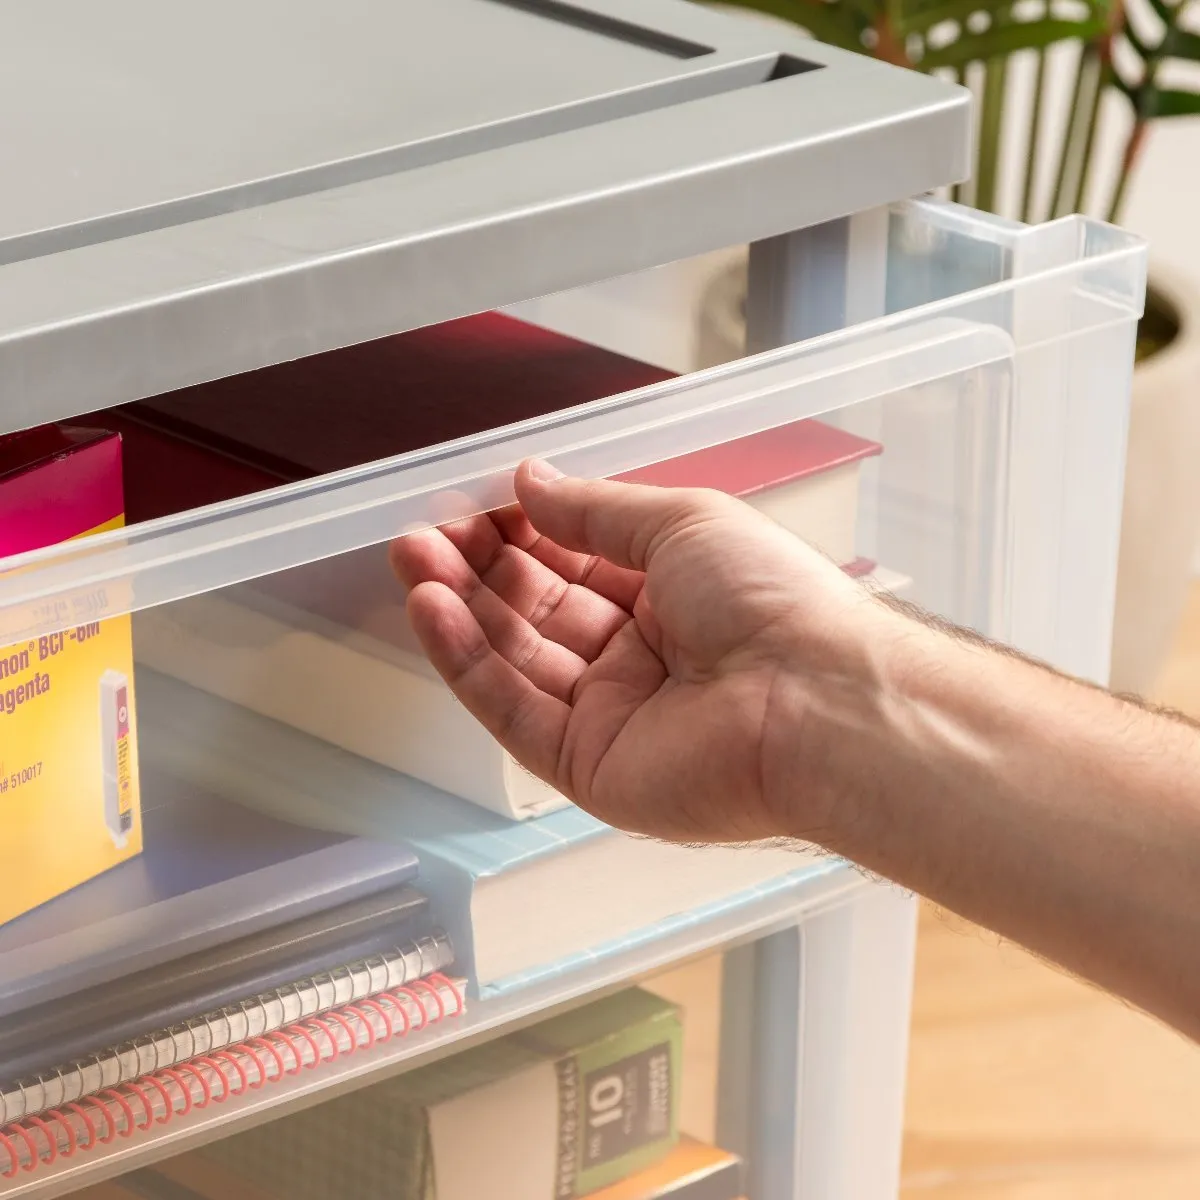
[
  {"x": 614, "y": 583},
  {"x": 430, "y": 557},
  {"x": 530, "y": 724}
]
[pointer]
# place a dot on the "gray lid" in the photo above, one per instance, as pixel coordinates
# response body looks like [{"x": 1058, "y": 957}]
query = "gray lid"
[{"x": 195, "y": 191}]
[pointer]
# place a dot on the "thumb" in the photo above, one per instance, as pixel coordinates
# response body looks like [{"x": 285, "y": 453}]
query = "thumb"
[{"x": 624, "y": 523}]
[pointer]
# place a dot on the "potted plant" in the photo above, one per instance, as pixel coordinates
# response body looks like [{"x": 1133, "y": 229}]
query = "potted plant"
[{"x": 1067, "y": 91}]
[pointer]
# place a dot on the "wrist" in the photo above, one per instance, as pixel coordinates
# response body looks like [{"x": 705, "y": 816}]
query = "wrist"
[
  {"x": 828, "y": 713},
  {"x": 849, "y": 728}
]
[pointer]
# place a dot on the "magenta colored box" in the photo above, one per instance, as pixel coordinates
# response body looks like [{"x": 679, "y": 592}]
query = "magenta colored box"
[{"x": 57, "y": 482}]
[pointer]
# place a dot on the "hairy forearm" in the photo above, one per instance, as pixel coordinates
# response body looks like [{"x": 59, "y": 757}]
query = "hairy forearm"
[{"x": 1049, "y": 811}]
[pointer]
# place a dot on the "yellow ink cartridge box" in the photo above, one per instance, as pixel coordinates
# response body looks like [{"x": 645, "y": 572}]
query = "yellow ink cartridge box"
[{"x": 69, "y": 805}]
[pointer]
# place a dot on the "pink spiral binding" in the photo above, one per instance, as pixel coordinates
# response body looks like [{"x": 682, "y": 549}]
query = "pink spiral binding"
[
  {"x": 140, "y": 1092},
  {"x": 88, "y": 1124},
  {"x": 272, "y": 1056},
  {"x": 460, "y": 1001},
  {"x": 205, "y": 1087},
  {"x": 382, "y": 1013},
  {"x": 219, "y": 1076},
  {"x": 368, "y": 1028},
  {"x": 426, "y": 987},
  {"x": 349, "y": 1031},
  {"x": 419, "y": 1003},
  {"x": 9, "y": 1172},
  {"x": 273, "y": 1051},
  {"x": 168, "y": 1103},
  {"x": 126, "y": 1108},
  {"x": 227, "y": 1056},
  {"x": 51, "y": 1141},
  {"x": 300, "y": 1032},
  {"x": 31, "y": 1145},
  {"x": 56, "y": 1117},
  {"x": 330, "y": 1037},
  {"x": 176, "y": 1078},
  {"x": 395, "y": 1003},
  {"x": 110, "y": 1127},
  {"x": 284, "y": 1037}
]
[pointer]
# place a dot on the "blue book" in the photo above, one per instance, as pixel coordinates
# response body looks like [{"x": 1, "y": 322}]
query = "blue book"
[{"x": 521, "y": 901}]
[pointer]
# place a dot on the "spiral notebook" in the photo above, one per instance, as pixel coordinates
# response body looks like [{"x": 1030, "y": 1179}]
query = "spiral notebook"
[
  {"x": 79, "y": 1024},
  {"x": 150, "y": 1080}
]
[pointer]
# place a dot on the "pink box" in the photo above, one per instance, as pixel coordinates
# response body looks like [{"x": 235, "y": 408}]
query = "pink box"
[{"x": 58, "y": 482}]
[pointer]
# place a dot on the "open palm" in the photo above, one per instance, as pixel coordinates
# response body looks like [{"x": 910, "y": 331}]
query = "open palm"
[{"x": 626, "y": 644}]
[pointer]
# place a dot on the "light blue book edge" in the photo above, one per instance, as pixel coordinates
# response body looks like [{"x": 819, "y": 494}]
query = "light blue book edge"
[
  {"x": 663, "y": 929},
  {"x": 291, "y": 776}
]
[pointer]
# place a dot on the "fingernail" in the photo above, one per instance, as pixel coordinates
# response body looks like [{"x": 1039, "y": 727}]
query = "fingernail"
[{"x": 540, "y": 469}]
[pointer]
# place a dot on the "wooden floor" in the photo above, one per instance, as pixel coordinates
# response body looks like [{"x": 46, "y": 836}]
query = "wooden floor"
[{"x": 1027, "y": 1085}]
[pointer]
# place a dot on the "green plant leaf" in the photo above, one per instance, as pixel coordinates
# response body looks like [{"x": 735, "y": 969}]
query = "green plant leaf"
[
  {"x": 1140, "y": 48},
  {"x": 867, "y": 13},
  {"x": 1034, "y": 140},
  {"x": 1163, "y": 11},
  {"x": 1152, "y": 102},
  {"x": 1179, "y": 43},
  {"x": 1091, "y": 125},
  {"x": 828, "y": 22},
  {"x": 1149, "y": 100},
  {"x": 991, "y": 125},
  {"x": 919, "y": 16},
  {"x": 906, "y": 23},
  {"x": 1087, "y": 72},
  {"x": 1000, "y": 42},
  {"x": 1128, "y": 90}
]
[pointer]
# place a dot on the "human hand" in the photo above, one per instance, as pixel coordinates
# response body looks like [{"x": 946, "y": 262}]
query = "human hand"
[
  {"x": 663, "y": 657},
  {"x": 682, "y": 667}
]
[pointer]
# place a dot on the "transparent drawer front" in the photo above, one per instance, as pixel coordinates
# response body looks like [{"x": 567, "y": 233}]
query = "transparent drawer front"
[
  {"x": 249, "y": 828},
  {"x": 667, "y": 1051}
]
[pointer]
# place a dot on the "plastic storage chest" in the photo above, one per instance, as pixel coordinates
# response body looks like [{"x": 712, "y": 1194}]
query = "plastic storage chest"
[{"x": 190, "y": 195}]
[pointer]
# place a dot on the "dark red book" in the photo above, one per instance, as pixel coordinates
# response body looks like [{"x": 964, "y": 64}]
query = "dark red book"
[
  {"x": 348, "y": 407},
  {"x": 352, "y": 406}
]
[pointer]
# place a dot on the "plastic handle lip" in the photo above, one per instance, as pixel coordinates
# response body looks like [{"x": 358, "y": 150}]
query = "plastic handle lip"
[{"x": 179, "y": 556}]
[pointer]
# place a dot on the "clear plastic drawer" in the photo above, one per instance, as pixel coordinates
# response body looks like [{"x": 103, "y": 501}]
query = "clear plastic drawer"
[{"x": 294, "y": 757}]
